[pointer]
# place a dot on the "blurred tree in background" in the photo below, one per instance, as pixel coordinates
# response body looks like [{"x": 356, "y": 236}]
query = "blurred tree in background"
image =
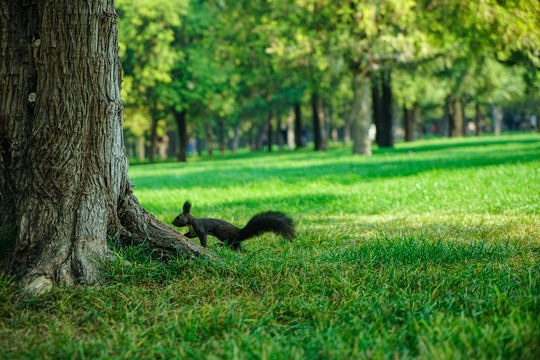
[{"x": 252, "y": 73}]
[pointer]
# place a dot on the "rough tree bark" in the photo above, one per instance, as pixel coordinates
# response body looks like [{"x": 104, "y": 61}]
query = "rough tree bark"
[
  {"x": 64, "y": 181},
  {"x": 361, "y": 114}
]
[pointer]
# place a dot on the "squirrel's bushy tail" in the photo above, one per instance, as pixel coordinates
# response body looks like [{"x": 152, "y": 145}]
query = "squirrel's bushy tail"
[{"x": 268, "y": 221}]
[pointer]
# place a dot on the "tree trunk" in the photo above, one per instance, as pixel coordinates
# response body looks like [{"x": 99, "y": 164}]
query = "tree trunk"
[
  {"x": 478, "y": 120},
  {"x": 419, "y": 122},
  {"x": 270, "y": 129},
  {"x": 298, "y": 125},
  {"x": 163, "y": 146},
  {"x": 347, "y": 128},
  {"x": 290, "y": 130},
  {"x": 316, "y": 121},
  {"x": 323, "y": 119},
  {"x": 180, "y": 117},
  {"x": 221, "y": 136},
  {"x": 377, "y": 108},
  {"x": 444, "y": 128},
  {"x": 261, "y": 135},
  {"x": 209, "y": 137},
  {"x": 63, "y": 170},
  {"x": 153, "y": 140},
  {"x": 387, "y": 112},
  {"x": 455, "y": 116},
  {"x": 460, "y": 111},
  {"x": 409, "y": 116},
  {"x": 450, "y": 111},
  {"x": 334, "y": 135},
  {"x": 361, "y": 114},
  {"x": 281, "y": 133},
  {"x": 496, "y": 118},
  {"x": 319, "y": 132},
  {"x": 236, "y": 138},
  {"x": 140, "y": 147}
]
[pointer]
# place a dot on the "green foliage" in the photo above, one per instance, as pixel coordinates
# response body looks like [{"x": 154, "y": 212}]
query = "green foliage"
[
  {"x": 429, "y": 250},
  {"x": 146, "y": 46},
  {"x": 235, "y": 61}
]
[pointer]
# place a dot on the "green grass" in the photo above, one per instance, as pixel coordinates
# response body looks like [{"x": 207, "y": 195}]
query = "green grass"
[{"x": 430, "y": 250}]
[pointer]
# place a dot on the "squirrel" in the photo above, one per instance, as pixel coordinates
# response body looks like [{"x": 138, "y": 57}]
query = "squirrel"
[{"x": 230, "y": 235}]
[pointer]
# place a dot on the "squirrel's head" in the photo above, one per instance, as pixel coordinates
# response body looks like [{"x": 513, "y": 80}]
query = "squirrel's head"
[{"x": 185, "y": 218}]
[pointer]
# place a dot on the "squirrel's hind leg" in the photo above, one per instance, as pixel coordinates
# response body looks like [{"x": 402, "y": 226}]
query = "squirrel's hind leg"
[{"x": 236, "y": 246}]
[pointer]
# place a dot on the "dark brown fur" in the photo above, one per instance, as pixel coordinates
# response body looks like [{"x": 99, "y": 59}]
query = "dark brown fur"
[{"x": 230, "y": 235}]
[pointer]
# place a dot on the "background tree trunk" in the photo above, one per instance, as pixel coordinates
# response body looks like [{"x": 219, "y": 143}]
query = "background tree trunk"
[
  {"x": 221, "y": 135},
  {"x": 444, "y": 128},
  {"x": 140, "y": 147},
  {"x": 317, "y": 128},
  {"x": 361, "y": 114},
  {"x": 261, "y": 135},
  {"x": 478, "y": 120},
  {"x": 63, "y": 169},
  {"x": 450, "y": 110},
  {"x": 281, "y": 132},
  {"x": 319, "y": 122},
  {"x": 377, "y": 108},
  {"x": 290, "y": 130},
  {"x": 270, "y": 129},
  {"x": 460, "y": 112},
  {"x": 386, "y": 135},
  {"x": 236, "y": 138},
  {"x": 455, "y": 116},
  {"x": 209, "y": 138},
  {"x": 180, "y": 117},
  {"x": 347, "y": 128},
  {"x": 496, "y": 118},
  {"x": 153, "y": 140},
  {"x": 298, "y": 125},
  {"x": 409, "y": 117}
]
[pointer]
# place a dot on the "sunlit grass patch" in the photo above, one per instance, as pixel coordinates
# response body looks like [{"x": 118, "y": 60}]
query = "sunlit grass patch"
[{"x": 432, "y": 253}]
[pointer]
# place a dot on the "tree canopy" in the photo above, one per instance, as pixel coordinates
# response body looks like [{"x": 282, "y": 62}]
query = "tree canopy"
[{"x": 242, "y": 65}]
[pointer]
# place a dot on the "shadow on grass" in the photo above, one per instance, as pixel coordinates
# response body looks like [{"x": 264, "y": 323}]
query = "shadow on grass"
[{"x": 344, "y": 170}]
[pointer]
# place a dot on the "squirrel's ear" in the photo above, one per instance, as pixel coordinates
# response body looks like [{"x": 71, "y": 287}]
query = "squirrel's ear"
[{"x": 187, "y": 207}]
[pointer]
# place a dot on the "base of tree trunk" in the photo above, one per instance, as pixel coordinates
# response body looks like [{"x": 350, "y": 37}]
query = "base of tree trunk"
[
  {"x": 64, "y": 183},
  {"x": 79, "y": 261}
]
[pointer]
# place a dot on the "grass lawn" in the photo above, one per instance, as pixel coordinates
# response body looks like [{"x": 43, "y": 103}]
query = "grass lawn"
[{"x": 429, "y": 250}]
